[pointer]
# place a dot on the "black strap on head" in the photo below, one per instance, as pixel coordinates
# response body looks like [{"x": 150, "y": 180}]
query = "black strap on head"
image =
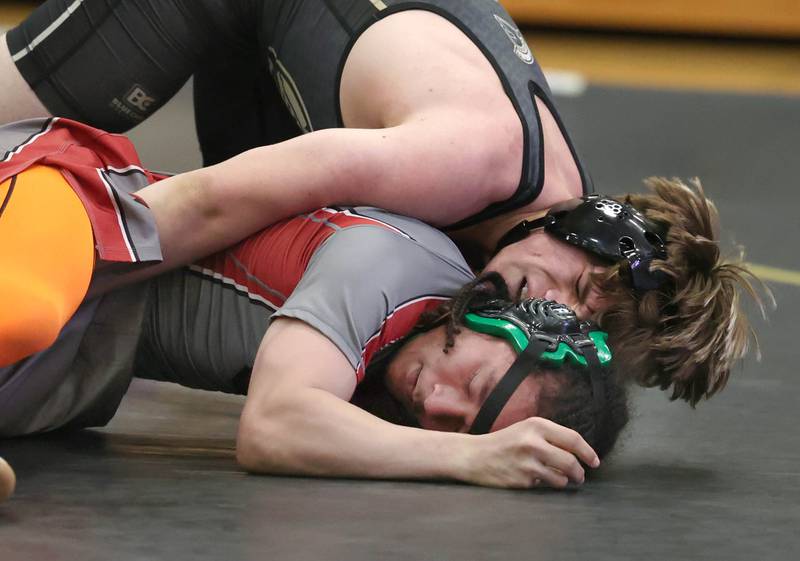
[
  {"x": 520, "y": 232},
  {"x": 614, "y": 231},
  {"x": 527, "y": 361},
  {"x": 551, "y": 334},
  {"x": 596, "y": 378},
  {"x": 506, "y": 387}
]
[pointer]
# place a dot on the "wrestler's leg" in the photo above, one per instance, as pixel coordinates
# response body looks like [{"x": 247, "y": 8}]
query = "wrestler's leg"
[
  {"x": 237, "y": 106},
  {"x": 108, "y": 64},
  {"x": 17, "y": 99},
  {"x": 46, "y": 260}
]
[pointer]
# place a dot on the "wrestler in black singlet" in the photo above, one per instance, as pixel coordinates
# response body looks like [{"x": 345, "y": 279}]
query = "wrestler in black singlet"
[{"x": 265, "y": 71}]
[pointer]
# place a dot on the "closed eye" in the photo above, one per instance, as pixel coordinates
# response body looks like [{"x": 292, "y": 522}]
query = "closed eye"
[
  {"x": 489, "y": 381},
  {"x": 470, "y": 389},
  {"x": 582, "y": 286},
  {"x": 595, "y": 300}
]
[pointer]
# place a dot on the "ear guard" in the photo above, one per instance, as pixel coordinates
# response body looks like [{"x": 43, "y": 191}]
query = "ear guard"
[
  {"x": 543, "y": 333},
  {"x": 611, "y": 230}
]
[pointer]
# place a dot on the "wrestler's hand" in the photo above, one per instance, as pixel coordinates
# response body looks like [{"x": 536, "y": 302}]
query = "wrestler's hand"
[{"x": 527, "y": 454}]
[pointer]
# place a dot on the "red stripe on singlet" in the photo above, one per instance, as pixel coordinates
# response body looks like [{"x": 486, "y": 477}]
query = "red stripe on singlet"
[
  {"x": 80, "y": 152},
  {"x": 271, "y": 263},
  {"x": 397, "y": 325}
]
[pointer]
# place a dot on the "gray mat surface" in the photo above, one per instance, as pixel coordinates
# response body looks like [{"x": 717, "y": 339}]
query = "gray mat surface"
[{"x": 719, "y": 482}]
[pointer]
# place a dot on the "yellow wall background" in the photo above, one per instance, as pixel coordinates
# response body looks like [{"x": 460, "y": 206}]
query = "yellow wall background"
[
  {"x": 765, "y": 18},
  {"x": 650, "y": 59}
]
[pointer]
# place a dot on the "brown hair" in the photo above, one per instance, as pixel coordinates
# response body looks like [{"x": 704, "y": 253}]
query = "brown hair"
[
  {"x": 687, "y": 334},
  {"x": 570, "y": 403}
]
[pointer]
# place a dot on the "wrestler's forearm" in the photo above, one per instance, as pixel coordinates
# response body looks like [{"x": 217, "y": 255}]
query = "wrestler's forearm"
[
  {"x": 312, "y": 432},
  {"x": 315, "y": 433},
  {"x": 298, "y": 419},
  {"x": 414, "y": 169}
]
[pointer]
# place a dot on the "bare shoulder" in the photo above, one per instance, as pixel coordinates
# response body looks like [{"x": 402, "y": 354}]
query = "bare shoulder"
[
  {"x": 419, "y": 74},
  {"x": 414, "y": 61}
]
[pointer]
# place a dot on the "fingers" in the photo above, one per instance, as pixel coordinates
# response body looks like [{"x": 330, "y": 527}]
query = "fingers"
[
  {"x": 564, "y": 463},
  {"x": 550, "y": 477},
  {"x": 570, "y": 441},
  {"x": 7, "y": 480},
  {"x": 531, "y": 453}
]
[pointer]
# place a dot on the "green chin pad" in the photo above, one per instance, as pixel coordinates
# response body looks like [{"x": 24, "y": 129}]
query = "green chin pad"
[
  {"x": 519, "y": 340},
  {"x": 564, "y": 352}
]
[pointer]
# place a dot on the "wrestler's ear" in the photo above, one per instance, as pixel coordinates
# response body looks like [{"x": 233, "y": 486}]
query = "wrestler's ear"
[{"x": 47, "y": 257}]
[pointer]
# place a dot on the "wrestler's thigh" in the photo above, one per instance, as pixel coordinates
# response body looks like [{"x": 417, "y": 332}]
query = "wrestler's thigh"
[
  {"x": 17, "y": 99},
  {"x": 113, "y": 64},
  {"x": 47, "y": 257},
  {"x": 305, "y": 44},
  {"x": 237, "y": 106}
]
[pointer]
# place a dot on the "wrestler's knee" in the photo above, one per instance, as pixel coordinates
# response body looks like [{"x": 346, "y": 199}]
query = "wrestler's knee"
[
  {"x": 30, "y": 321},
  {"x": 46, "y": 260}
]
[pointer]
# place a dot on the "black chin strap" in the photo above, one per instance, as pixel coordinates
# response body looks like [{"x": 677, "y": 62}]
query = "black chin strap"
[
  {"x": 596, "y": 378},
  {"x": 525, "y": 363},
  {"x": 506, "y": 387},
  {"x": 519, "y": 232}
]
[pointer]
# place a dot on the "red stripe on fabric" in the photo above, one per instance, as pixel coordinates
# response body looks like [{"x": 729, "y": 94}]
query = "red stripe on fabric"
[
  {"x": 277, "y": 257},
  {"x": 344, "y": 220},
  {"x": 109, "y": 236},
  {"x": 397, "y": 325},
  {"x": 78, "y": 151}
]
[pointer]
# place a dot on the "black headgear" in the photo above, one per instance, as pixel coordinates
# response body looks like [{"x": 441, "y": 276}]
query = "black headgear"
[
  {"x": 541, "y": 332},
  {"x": 609, "y": 229}
]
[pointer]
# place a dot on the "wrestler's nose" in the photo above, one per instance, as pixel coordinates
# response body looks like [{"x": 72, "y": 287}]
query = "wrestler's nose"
[
  {"x": 561, "y": 296},
  {"x": 447, "y": 408},
  {"x": 569, "y": 299}
]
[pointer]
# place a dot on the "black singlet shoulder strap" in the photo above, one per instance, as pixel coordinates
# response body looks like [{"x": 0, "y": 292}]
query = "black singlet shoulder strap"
[{"x": 595, "y": 377}]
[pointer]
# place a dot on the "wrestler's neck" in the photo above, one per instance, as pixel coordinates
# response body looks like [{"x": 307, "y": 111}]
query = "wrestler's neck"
[
  {"x": 562, "y": 181},
  {"x": 479, "y": 241}
]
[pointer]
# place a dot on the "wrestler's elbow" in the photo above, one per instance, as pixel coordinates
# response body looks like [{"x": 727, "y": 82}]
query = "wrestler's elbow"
[
  {"x": 266, "y": 439},
  {"x": 255, "y": 446},
  {"x": 245, "y": 450}
]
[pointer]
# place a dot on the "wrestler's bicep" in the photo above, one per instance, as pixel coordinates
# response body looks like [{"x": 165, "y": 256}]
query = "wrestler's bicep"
[
  {"x": 440, "y": 167},
  {"x": 294, "y": 356}
]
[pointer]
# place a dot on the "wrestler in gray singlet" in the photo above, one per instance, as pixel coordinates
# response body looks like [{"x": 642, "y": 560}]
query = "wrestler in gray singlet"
[{"x": 360, "y": 276}]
